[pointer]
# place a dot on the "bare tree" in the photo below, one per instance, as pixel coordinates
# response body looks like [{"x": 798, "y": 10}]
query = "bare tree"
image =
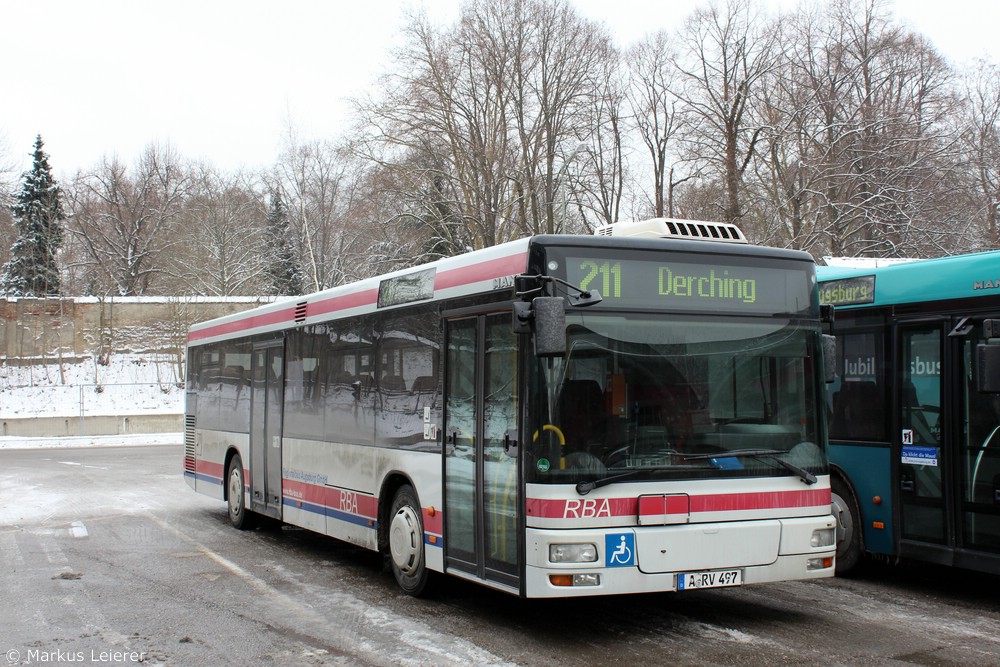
[
  {"x": 656, "y": 114},
  {"x": 219, "y": 230},
  {"x": 860, "y": 155},
  {"x": 122, "y": 221},
  {"x": 724, "y": 56},
  {"x": 981, "y": 144},
  {"x": 477, "y": 122},
  {"x": 318, "y": 182},
  {"x": 602, "y": 163}
]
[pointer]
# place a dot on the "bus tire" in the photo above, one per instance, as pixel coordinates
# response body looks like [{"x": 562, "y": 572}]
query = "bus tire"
[
  {"x": 406, "y": 542},
  {"x": 845, "y": 511},
  {"x": 239, "y": 515}
]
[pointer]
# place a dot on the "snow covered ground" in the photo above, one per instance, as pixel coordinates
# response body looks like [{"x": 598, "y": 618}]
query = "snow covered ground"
[
  {"x": 126, "y": 385},
  {"x": 75, "y": 442}
]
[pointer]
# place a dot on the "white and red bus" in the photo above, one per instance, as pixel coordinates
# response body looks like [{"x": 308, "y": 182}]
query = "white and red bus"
[{"x": 635, "y": 411}]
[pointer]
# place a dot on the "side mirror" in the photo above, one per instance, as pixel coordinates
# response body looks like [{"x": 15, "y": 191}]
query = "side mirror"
[
  {"x": 988, "y": 359},
  {"x": 522, "y": 317},
  {"x": 829, "y": 358},
  {"x": 826, "y": 313},
  {"x": 550, "y": 326},
  {"x": 988, "y": 368}
]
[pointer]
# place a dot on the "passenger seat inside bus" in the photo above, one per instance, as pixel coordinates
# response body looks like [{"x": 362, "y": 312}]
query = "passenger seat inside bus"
[
  {"x": 342, "y": 377},
  {"x": 424, "y": 383},
  {"x": 393, "y": 383}
]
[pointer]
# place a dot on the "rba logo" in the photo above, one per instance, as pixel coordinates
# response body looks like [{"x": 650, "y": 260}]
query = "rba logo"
[{"x": 587, "y": 508}]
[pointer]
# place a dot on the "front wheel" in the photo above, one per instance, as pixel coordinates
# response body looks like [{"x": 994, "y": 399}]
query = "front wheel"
[
  {"x": 406, "y": 542},
  {"x": 845, "y": 511},
  {"x": 239, "y": 515}
]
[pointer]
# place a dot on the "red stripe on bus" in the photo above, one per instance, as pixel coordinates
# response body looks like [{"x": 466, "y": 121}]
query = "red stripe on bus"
[
  {"x": 262, "y": 320},
  {"x": 209, "y": 469},
  {"x": 433, "y": 521},
  {"x": 333, "y": 304},
  {"x": 656, "y": 505},
  {"x": 351, "y": 502},
  {"x": 760, "y": 501},
  {"x": 474, "y": 273},
  {"x": 722, "y": 502},
  {"x": 465, "y": 275}
]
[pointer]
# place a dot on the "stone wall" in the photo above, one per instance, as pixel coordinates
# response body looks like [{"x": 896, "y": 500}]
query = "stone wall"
[{"x": 63, "y": 329}]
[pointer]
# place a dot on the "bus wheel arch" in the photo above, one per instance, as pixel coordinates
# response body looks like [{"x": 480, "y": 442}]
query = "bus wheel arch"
[
  {"x": 401, "y": 535},
  {"x": 846, "y": 510}
]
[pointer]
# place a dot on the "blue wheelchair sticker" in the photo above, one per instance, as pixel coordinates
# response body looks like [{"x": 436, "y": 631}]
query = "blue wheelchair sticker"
[{"x": 619, "y": 549}]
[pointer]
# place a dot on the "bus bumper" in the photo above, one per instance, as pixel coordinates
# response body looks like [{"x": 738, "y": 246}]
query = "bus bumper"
[{"x": 639, "y": 560}]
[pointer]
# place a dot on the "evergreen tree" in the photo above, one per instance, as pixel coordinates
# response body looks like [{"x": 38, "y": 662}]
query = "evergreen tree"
[
  {"x": 38, "y": 213},
  {"x": 284, "y": 275}
]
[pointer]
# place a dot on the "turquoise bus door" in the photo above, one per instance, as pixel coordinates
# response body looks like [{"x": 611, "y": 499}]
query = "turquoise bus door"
[
  {"x": 979, "y": 460},
  {"x": 948, "y": 448},
  {"x": 923, "y": 457}
]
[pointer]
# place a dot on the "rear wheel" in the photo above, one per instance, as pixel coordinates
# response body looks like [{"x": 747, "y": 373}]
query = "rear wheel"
[
  {"x": 845, "y": 511},
  {"x": 406, "y": 542},
  {"x": 239, "y": 515}
]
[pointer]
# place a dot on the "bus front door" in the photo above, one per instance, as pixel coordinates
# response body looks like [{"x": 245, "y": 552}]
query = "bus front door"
[
  {"x": 923, "y": 456},
  {"x": 949, "y": 449},
  {"x": 980, "y": 457},
  {"x": 265, "y": 428},
  {"x": 481, "y": 485}
]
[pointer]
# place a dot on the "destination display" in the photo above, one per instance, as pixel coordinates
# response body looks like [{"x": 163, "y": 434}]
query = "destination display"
[
  {"x": 848, "y": 291},
  {"x": 714, "y": 285},
  {"x": 415, "y": 286}
]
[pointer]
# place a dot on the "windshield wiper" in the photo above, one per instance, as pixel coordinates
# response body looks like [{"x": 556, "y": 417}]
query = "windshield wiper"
[
  {"x": 583, "y": 488},
  {"x": 759, "y": 454}
]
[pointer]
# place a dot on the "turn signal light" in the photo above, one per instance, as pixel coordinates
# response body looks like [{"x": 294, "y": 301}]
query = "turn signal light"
[
  {"x": 575, "y": 579},
  {"x": 819, "y": 563}
]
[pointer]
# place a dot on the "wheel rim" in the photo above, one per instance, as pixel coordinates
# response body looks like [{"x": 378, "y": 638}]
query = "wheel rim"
[
  {"x": 235, "y": 492},
  {"x": 405, "y": 540},
  {"x": 845, "y": 523}
]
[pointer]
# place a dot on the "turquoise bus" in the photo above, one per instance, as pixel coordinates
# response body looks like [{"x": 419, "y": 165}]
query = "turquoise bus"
[{"x": 914, "y": 411}]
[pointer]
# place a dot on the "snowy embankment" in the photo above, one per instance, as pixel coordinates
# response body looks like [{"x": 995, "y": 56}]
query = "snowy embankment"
[{"x": 127, "y": 386}]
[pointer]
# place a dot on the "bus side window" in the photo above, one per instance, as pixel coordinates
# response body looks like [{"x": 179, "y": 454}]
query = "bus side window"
[
  {"x": 858, "y": 412},
  {"x": 858, "y": 404}
]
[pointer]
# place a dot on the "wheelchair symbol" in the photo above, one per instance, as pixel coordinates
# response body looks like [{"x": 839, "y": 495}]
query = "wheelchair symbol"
[{"x": 620, "y": 549}]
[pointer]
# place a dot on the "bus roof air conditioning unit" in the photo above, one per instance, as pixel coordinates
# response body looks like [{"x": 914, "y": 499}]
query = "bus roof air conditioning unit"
[{"x": 670, "y": 228}]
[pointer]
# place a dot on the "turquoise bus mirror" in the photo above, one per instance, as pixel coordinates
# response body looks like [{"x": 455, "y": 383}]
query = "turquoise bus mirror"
[
  {"x": 988, "y": 359},
  {"x": 830, "y": 357},
  {"x": 988, "y": 367}
]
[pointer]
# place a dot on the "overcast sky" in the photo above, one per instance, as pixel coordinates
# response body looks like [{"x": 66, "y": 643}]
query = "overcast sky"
[{"x": 221, "y": 80}]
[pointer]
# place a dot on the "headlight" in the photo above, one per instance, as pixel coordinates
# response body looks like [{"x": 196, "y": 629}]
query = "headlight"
[
  {"x": 823, "y": 538},
  {"x": 572, "y": 553}
]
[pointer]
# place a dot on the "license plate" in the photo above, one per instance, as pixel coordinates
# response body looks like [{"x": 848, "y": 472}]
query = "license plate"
[{"x": 715, "y": 579}]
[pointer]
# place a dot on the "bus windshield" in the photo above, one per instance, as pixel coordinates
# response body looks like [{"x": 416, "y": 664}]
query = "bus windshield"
[{"x": 678, "y": 398}]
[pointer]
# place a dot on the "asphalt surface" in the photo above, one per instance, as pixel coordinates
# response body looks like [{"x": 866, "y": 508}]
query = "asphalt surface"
[{"x": 109, "y": 558}]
